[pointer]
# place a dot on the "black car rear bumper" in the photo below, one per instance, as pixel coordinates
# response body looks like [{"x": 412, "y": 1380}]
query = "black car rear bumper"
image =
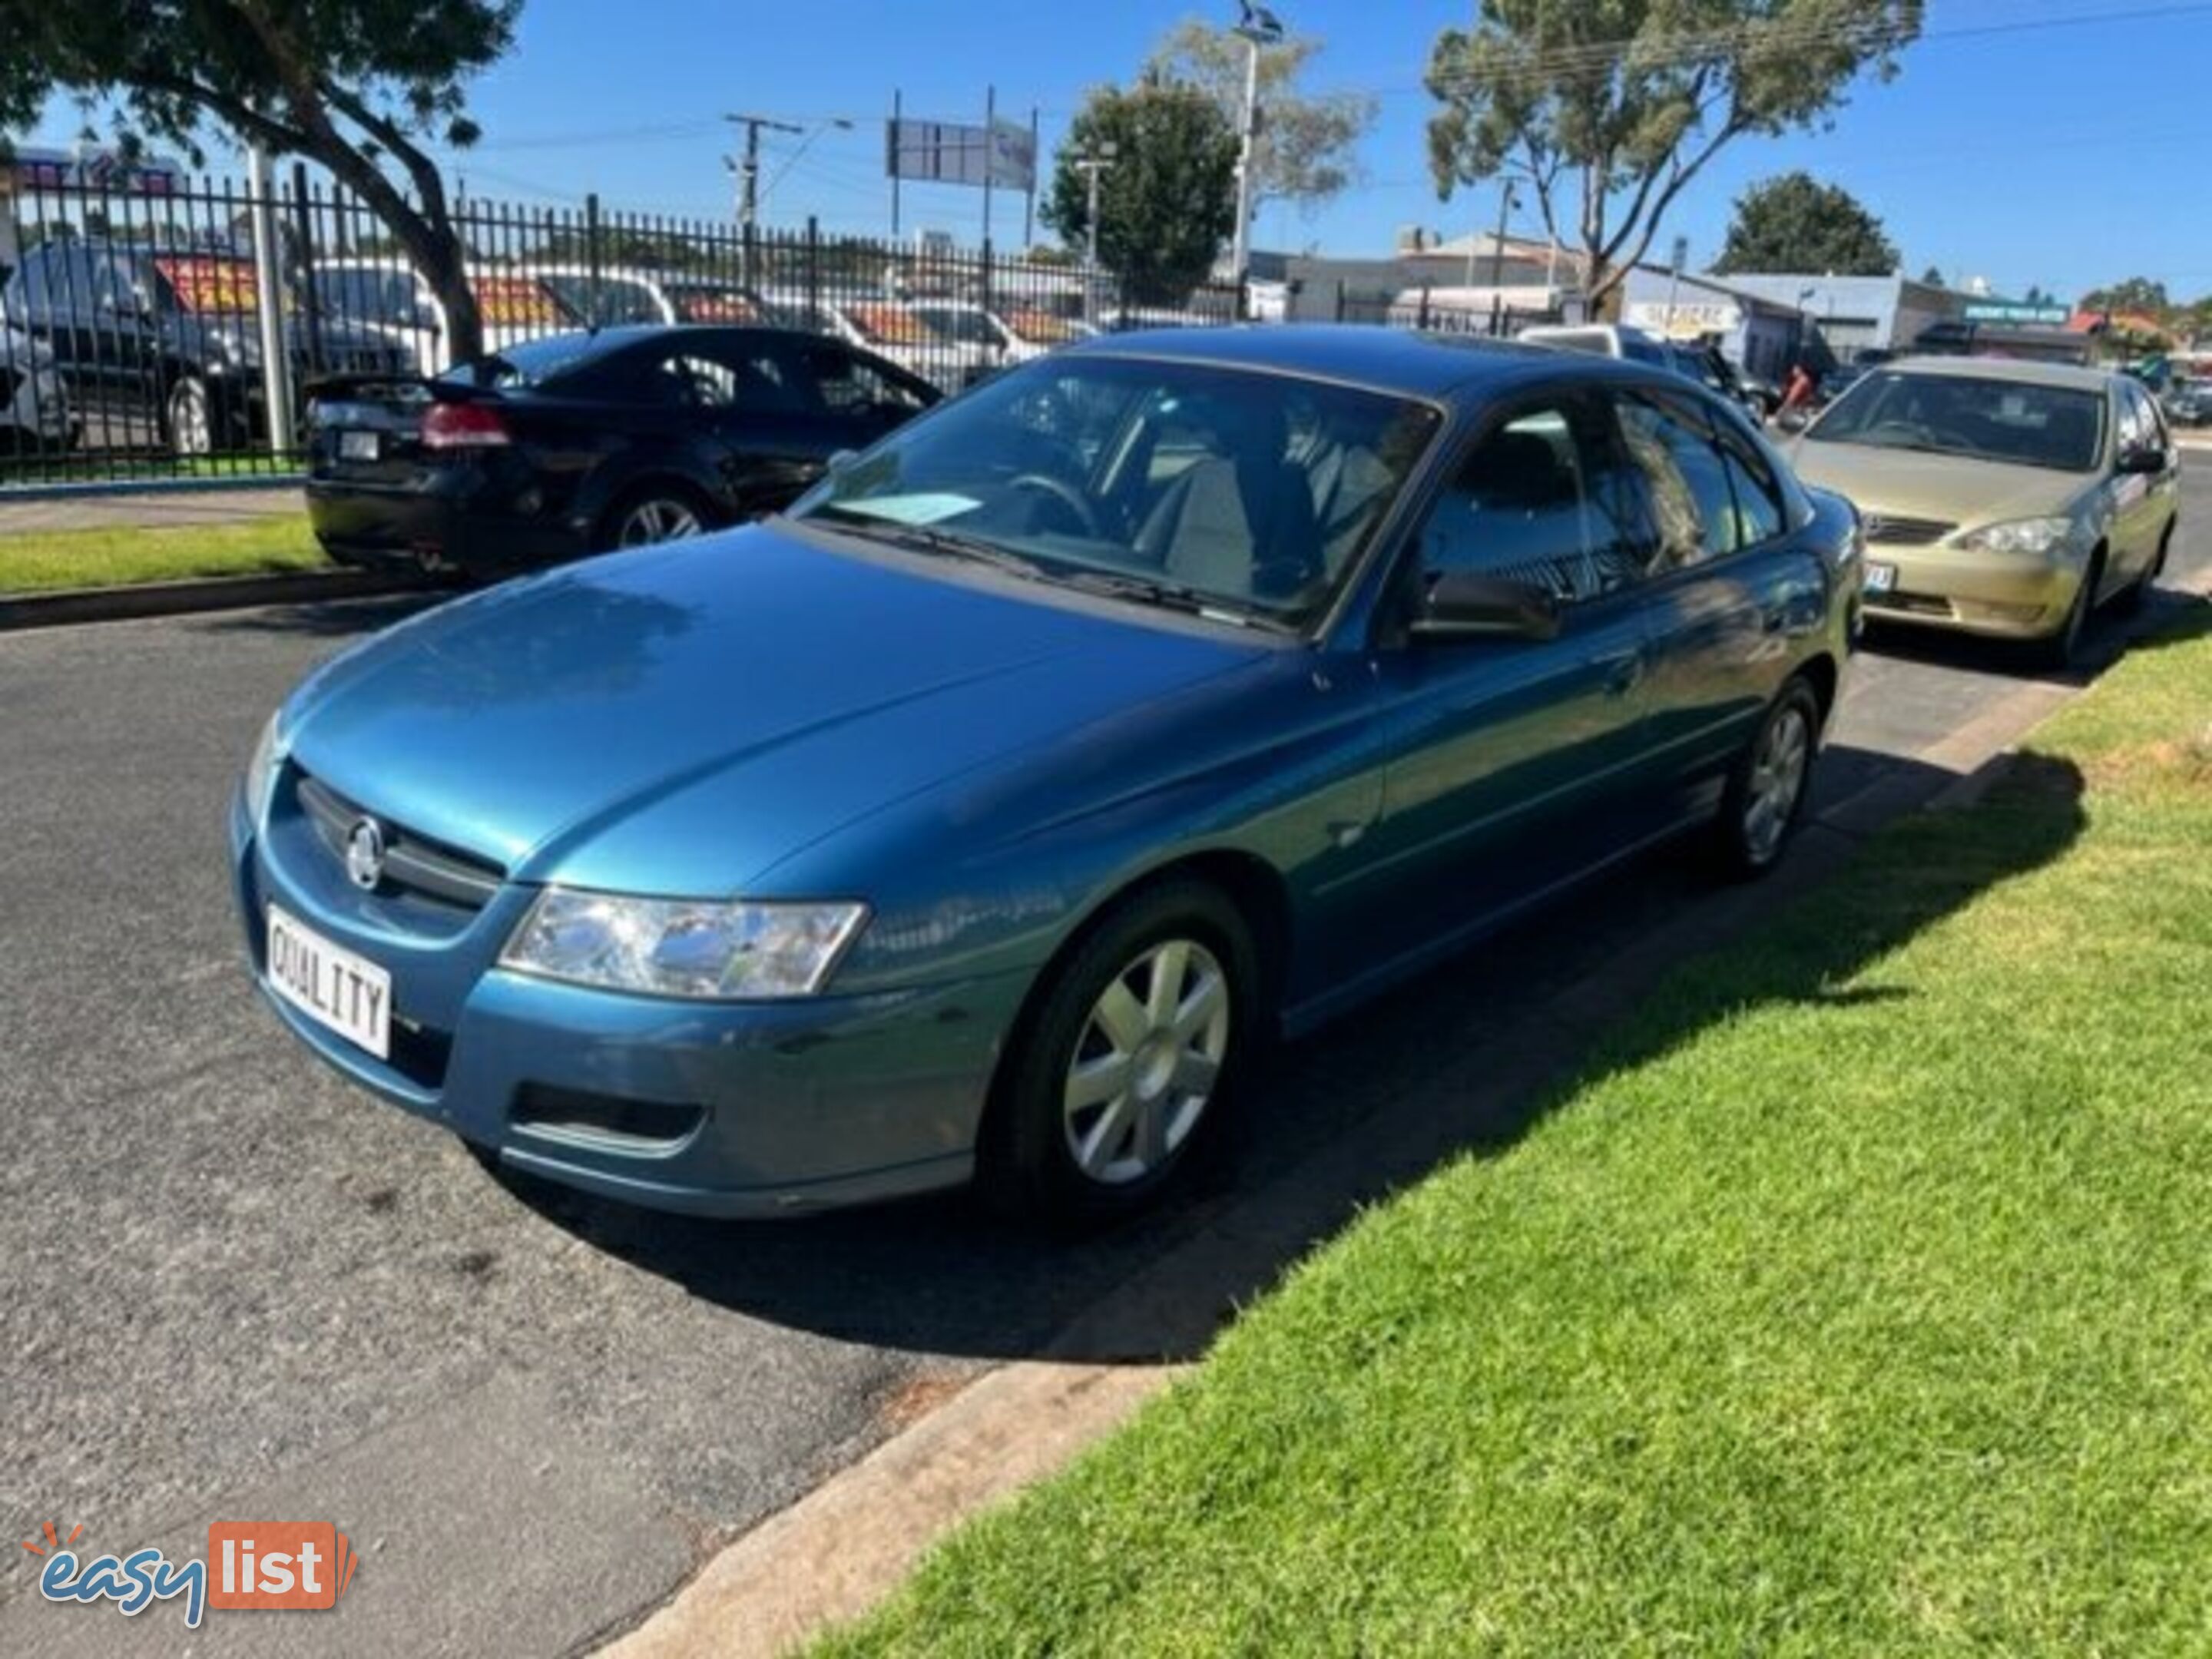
[{"x": 443, "y": 526}]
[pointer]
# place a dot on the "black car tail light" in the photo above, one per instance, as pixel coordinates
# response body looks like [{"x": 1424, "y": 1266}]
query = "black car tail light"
[{"x": 463, "y": 426}]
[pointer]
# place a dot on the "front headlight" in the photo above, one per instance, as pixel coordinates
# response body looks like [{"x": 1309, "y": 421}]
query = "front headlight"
[
  {"x": 261, "y": 771},
  {"x": 2035, "y": 537},
  {"x": 737, "y": 950}
]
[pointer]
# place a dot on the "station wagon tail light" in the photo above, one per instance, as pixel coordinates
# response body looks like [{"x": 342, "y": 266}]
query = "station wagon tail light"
[{"x": 463, "y": 426}]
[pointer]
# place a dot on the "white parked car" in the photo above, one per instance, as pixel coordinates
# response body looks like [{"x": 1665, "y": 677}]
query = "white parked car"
[
  {"x": 890, "y": 328},
  {"x": 389, "y": 297},
  {"x": 34, "y": 409},
  {"x": 1012, "y": 336}
]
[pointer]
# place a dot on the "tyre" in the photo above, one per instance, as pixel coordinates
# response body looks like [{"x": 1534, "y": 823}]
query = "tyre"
[
  {"x": 2137, "y": 592},
  {"x": 650, "y": 514},
  {"x": 188, "y": 417},
  {"x": 1123, "y": 1081},
  {"x": 1765, "y": 801},
  {"x": 2061, "y": 650}
]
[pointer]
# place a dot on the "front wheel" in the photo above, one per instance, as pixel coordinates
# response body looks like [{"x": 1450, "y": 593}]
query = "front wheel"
[
  {"x": 2061, "y": 650},
  {"x": 1126, "y": 1076},
  {"x": 191, "y": 417},
  {"x": 1765, "y": 798}
]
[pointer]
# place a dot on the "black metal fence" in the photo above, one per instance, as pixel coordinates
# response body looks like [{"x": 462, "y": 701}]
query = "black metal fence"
[{"x": 134, "y": 323}]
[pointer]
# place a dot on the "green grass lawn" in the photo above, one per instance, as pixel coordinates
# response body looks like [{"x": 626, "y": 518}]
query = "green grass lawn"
[
  {"x": 41, "y": 561},
  {"x": 1856, "y": 1300}
]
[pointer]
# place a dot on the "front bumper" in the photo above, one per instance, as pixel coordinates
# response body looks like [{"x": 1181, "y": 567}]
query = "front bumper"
[
  {"x": 2001, "y": 596},
  {"x": 770, "y": 1108}
]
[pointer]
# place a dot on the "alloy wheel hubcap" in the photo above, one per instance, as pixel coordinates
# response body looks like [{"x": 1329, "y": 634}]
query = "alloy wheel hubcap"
[
  {"x": 1147, "y": 1064},
  {"x": 657, "y": 521},
  {"x": 192, "y": 425},
  {"x": 1778, "y": 778}
]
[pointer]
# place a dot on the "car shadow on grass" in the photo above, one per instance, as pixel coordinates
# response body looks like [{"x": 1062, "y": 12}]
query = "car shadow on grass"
[{"x": 1464, "y": 1061}]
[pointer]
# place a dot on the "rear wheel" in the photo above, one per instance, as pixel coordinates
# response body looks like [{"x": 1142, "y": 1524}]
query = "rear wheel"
[
  {"x": 652, "y": 514},
  {"x": 1766, "y": 794},
  {"x": 1126, "y": 1077},
  {"x": 190, "y": 416}
]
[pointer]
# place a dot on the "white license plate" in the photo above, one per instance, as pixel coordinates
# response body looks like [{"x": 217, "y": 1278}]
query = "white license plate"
[
  {"x": 334, "y": 987},
  {"x": 357, "y": 446},
  {"x": 1880, "y": 578}
]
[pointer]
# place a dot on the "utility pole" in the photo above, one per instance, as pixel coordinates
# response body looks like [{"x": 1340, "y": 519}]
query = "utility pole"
[
  {"x": 1256, "y": 27},
  {"x": 1090, "y": 164},
  {"x": 749, "y": 184},
  {"x": 748, "y": 168},
  {"x": 1497, "y": 260}
]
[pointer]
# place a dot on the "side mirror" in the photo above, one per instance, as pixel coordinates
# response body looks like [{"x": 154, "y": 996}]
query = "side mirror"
[
  {"x": 1464, "y": 605},
  {"x": 1791, "y": 420},
  {"x": 2144, "y": 459},
  {"x": 839, "y": 460}
]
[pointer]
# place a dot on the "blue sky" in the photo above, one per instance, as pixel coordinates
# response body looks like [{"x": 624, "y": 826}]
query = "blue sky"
[{"x": 2064, "y": 155}]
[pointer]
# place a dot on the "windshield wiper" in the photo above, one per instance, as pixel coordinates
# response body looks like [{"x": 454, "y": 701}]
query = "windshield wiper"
[
  {"x": 1169, "y": 596},
  {"x": 932, "y": 539}
]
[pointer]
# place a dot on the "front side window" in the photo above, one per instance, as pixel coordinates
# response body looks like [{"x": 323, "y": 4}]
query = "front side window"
[
  {"x": 844, "y": 384},
  {"x": 1542, "y": 499},
  {"x": 1182, "y": 485},
  {"x": 2020, "y": 422}
]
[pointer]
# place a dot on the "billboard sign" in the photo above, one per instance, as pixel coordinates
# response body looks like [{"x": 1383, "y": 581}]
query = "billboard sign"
[
  {"x": 89, "y": 168},
  {"x": 2005, "y": 311},
  {"x": 955, "y": 153}
]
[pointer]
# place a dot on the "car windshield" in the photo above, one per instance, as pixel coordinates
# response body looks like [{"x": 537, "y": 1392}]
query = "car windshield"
[
  {"x": 2016, "y": 421},
  {"x": 1043, "y": 328},
  {"x": 528, "y": 362},
  {"x": 1241, "y": 494},
  {"x": 696, "y": 303},
  {"x": 958, "y": 323},
  {"x": 889, "y": 324},
  {"x": 605, "y": 301}
]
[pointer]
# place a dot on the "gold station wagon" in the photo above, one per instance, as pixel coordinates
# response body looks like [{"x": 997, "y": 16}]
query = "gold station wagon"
[{"x": 2002, "y": 498}]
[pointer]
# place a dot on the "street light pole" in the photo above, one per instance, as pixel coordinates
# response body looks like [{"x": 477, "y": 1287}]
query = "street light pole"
[
  {"x": 1256, "y": 27},
  {"x": 1092, "y": 163}
]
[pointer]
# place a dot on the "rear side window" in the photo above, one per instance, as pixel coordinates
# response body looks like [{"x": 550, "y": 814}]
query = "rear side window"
[{"x": 1693, "y": 503}]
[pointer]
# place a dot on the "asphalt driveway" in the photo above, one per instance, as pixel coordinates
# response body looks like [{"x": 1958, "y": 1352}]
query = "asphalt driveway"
[{"x": 231, "y": 1286}]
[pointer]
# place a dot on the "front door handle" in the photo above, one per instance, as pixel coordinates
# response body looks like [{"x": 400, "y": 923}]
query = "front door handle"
[{"x": 1622, "y": 673}]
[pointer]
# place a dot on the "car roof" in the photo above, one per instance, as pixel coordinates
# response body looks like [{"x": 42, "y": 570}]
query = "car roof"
[
  {"x": 2019, "y": 369},
  {"x": 1405, "y": 362}
]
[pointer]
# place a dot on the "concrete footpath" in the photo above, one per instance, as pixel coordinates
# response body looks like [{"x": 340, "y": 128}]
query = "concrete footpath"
[{"x": 151, "y": 509}]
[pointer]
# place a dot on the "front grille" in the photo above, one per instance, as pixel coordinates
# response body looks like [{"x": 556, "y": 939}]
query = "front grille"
[
  {"x": 413, "y": 864},
  {"x": 1884, "y": 531}
]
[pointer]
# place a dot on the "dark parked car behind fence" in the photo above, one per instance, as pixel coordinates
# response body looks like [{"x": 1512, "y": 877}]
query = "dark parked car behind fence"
[{"x": 148, "y": 301}]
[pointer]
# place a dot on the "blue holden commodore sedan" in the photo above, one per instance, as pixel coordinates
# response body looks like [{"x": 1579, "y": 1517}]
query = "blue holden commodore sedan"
[{"x": 985, "y": 817}]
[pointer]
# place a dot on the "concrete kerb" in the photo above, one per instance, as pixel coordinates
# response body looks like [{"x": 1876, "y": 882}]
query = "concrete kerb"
[{"x": 94, "y": 605}]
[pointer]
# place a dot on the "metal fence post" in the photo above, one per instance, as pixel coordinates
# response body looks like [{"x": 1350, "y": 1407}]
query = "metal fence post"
[
  {"x": 814, "y": 265},
  {"x": 269, "y": 299},
  {"x": 591, "y": 259},
  {"x": 303, "y": 238}
]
